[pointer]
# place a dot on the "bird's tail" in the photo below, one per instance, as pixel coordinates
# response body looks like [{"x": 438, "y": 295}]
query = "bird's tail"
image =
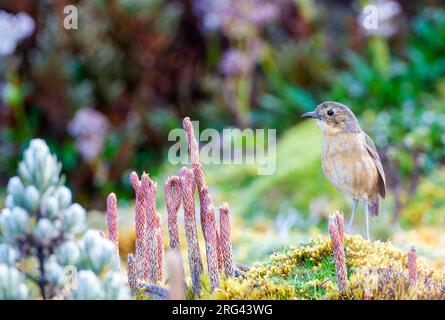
[{"x": 374, "y": 206}]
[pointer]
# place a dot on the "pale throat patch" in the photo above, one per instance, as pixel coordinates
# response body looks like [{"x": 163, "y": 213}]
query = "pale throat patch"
[{"x": 327, "y": 129}]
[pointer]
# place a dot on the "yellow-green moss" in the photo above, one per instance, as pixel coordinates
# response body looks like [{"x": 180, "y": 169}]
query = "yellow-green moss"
[
  {"x": 377, "y": 270},
  {"x": 140, "y": 295}
]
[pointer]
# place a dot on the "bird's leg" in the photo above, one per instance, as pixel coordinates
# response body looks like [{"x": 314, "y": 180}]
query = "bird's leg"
[
  {"x": 354, "y": 206},
  {"x": 365, "y": 202}
]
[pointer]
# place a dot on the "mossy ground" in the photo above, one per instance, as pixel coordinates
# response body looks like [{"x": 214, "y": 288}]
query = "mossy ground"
[
  {"x": 307, "y": 271},
  {"x": 376, "y": 270}
]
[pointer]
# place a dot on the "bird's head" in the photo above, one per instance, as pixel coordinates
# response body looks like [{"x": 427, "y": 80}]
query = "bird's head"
[{"x": 333, "y": 118}]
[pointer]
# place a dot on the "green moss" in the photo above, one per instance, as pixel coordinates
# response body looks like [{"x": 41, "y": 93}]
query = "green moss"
[
  {"x": 307, "y": 271},
  {"x": 310, "y": 277},
  {"x": 140, "y": 295}
]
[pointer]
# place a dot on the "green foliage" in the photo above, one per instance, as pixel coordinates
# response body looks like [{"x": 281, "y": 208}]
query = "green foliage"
[
  {"x": 286, "y": 72},
  {"x": 298, "y": 178},
  {"x": 397, "y": 94},
  {"x": 427, "y": 204},
  {"x": 146, "y": 64}
]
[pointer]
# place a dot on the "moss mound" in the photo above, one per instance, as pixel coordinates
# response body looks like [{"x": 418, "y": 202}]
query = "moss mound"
[{"x": 376, "y": 270}]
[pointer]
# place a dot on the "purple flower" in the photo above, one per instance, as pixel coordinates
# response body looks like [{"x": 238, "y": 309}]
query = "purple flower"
[
  {"x": 235, "y": 62},
  {"x": 13, "y": 29},
  {"x": 263, "y": 14},
  {"x": 90, "y": 129},
  {"x": 236, "y": 19},
  {"x": 24, "y": 24}
]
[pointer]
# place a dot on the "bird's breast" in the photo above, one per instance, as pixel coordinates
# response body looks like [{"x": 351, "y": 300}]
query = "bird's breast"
[{"x": 348, "y": 165}]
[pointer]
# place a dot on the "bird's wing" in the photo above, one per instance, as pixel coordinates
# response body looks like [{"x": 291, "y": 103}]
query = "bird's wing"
[{"x": 375, "y": 157}]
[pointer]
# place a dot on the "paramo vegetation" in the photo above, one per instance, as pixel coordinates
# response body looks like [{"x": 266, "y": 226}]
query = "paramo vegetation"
[{"x": 84, "y": 122}]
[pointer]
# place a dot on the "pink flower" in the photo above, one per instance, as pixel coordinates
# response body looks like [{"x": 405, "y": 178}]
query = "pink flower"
[{"x": 90, "y": 129}]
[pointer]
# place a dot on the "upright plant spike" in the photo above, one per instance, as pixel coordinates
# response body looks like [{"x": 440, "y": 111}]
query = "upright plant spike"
[
  {"x": 206, "y": 207},
  {"x": 218, "y": 246},
  {"x": 412, "y": 266},
  {"x": 219, "y": 251},
  {"x": 225, "y": 239},
  {"x": 160, "y": 244},
  {"x": 340, "y": 225},
  {"x": 210, "y": 237},
  {"x": 155, "y": 272},
  {"x": 113, "y": 232},
  {"x": 132, "y": 274},
  {"x": 193, "y": 144},
  {"x": 141, "y": 247},
  {"x": 194, "y": 254},
  {"x": 337, "y": 237},
  {"x": 197, "y": 168},
  {"x": 176, "y": 276},
  {"x": 172, "y": 192}
]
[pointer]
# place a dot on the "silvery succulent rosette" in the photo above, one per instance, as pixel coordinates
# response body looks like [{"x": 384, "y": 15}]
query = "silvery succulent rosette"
[{"x": 45, "y": 248}]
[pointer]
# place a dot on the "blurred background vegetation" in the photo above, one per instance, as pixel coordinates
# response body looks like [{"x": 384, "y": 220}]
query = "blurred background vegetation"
[{"x": 105, "y": 97}]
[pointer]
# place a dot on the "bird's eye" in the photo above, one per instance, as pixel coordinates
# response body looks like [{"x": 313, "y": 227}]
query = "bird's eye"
[{"x": 330, "y": 113}]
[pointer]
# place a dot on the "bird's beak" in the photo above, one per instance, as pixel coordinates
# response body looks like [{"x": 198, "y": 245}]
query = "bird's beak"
[{"x": 312, "y": 114}]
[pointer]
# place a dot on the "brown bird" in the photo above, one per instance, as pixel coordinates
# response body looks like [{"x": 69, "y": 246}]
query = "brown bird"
[{"x": 349, "y": 158}]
